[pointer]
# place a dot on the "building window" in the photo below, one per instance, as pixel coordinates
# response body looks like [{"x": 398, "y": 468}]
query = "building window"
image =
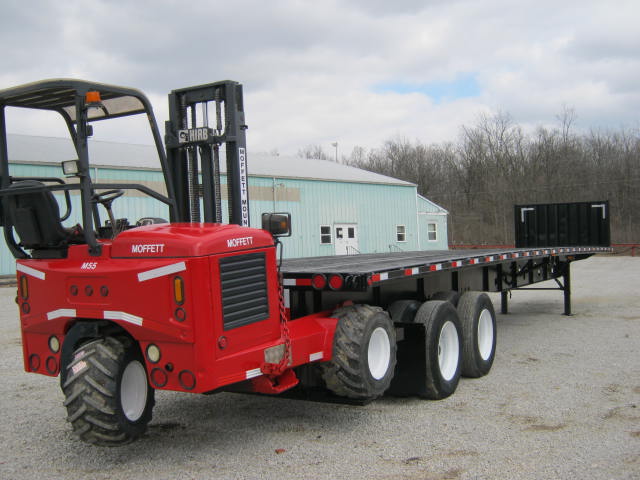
[
  {"x": 432, "y": 232},
  {"x": 401, "y": 233},
  {"x": 325, "y": 234}
]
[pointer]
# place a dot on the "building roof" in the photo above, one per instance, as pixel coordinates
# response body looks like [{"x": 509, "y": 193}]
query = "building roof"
[
  {"x": 427, "y": 206},
  {"x": 53, "y": 150}
]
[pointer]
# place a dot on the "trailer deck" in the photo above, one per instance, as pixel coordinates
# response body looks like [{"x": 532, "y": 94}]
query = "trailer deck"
[
  {"x": 380, "y": 267},
  {"x": 384, "y": 277}
]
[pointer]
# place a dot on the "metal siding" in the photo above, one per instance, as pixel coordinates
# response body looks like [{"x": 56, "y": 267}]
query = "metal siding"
[
  {"x": 376, "y": 209},
  {"x": 442, "y": 239}
]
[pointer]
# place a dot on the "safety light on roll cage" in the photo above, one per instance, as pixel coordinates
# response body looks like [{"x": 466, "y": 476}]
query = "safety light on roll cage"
[{"x": 92, "y": 99}]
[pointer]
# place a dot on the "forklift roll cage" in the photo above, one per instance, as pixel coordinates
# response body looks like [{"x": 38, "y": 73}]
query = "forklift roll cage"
[{"x": 180, "y": 167}]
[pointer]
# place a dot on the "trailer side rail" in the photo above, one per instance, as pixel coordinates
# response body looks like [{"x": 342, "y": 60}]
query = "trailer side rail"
[{"x": 359, "y": 274}]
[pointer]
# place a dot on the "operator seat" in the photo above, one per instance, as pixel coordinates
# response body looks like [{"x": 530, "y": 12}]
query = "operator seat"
[{"x": 35, "y": 216}]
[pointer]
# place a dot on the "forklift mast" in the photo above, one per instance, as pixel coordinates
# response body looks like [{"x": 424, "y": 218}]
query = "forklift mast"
[{"x": 193, "y": 144}]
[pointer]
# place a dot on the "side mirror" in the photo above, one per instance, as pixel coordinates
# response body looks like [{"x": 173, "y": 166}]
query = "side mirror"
[{"x": 277, "y": 224}]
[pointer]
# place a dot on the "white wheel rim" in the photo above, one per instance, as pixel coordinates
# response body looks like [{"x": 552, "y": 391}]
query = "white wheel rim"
[
  {"x": 485, "y": 334},
  {"x": 448, "y": 350},
  {"x": 379, "y": 353},
  {"x": 133, "y": 390}
]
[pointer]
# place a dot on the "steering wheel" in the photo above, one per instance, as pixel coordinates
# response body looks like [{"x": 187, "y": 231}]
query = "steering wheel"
[{"x": 107, "y": 197}]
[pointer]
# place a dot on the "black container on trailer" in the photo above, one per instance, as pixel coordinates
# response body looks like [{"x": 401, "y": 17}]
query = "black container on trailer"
[{"x": 563, "y": 224}]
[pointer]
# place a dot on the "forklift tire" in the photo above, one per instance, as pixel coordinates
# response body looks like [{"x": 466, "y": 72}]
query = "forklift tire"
[
  {"x": 364, "y": 353},
  {"x": 108, "y": 398},
  {"x": 478, "y": 333},
  {"x": 443, "y": 346}
]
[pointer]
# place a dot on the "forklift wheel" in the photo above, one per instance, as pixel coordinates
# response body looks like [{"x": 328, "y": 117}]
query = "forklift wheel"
[
  {"x": 107, "y": 395},
  {"x": 364, "y": 353}
]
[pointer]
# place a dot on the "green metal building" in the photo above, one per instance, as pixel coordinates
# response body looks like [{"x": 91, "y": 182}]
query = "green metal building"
[{"x": 335, "y": 209}]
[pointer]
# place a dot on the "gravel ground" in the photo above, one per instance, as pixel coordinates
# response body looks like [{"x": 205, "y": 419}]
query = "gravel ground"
[{"x": 562, "y": 401}]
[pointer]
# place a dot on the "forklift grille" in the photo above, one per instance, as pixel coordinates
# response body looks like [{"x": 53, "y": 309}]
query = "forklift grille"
[{"x": 243, "y": 284}]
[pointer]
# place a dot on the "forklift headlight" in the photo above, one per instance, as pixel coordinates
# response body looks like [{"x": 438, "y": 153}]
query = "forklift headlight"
[{"x": 70, "y": 167}]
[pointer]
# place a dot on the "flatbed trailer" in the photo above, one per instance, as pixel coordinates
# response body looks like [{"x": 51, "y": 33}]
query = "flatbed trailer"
[{"x": 382, "y": 278}]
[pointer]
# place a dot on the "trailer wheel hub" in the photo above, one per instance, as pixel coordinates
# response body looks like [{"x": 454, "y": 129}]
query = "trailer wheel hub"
[
  {"x": 485, "y": 334},
  {"x": 448, "y": 350},
  {"x": 379, "y": 353}
]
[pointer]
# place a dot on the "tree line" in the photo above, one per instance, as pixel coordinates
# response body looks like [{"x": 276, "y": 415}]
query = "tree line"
[{"x": 495, "y": 165}]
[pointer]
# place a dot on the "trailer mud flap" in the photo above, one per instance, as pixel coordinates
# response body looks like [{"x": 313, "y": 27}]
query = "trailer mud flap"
[{"x": 410, "y": 373}]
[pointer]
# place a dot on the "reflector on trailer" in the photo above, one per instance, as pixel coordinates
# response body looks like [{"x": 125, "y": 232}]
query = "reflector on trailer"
[
  {"x": 336, "y": 281},
  {"x": 318, "y": 281}
]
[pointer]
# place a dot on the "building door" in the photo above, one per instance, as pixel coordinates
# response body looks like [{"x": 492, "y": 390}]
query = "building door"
[{"x": 346, "y": 239}]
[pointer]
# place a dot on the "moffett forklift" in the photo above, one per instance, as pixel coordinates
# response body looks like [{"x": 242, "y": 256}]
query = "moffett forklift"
[{"x": 121, "y": 308}]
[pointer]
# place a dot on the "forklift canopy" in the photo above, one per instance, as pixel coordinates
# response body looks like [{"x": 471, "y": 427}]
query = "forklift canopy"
[{"x": 61, "y": 95}]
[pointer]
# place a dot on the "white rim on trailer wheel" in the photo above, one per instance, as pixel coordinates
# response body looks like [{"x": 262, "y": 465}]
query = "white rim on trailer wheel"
[
  {"x": 379, "y": 353},
  {"x": 448, "y": 350},
  {"x": 133, "y": 390},
  {"x": 485, "y": 334}
]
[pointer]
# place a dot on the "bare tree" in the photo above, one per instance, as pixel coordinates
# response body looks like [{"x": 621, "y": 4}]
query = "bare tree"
[
  {"x": 494, "y": 166},
  {"x": 313, "y": 151}
]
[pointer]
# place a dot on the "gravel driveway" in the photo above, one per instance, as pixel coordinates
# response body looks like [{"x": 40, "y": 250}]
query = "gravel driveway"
[{"x": 562, "y": 401}]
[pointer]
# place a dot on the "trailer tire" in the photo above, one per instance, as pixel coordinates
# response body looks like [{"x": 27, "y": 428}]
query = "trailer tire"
[
  {"x": 478, "y": 333},
  {"x": 443, "y": 346},
  {"x": 107, "y": 395},
  {"x": 364, "y": 353},
  {"x": 450, "y": 296},
  {"x": 403, "y": 311}
]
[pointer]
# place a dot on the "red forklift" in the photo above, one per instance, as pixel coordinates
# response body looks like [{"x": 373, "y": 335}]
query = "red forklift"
[{"x": 121, "y": 308}]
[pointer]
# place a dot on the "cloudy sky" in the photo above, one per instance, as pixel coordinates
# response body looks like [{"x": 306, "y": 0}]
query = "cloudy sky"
[{"x": 356, "y": 72}]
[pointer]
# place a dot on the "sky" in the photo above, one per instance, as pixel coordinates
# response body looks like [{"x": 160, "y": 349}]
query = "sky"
[{"x": 355, "y": 72}]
